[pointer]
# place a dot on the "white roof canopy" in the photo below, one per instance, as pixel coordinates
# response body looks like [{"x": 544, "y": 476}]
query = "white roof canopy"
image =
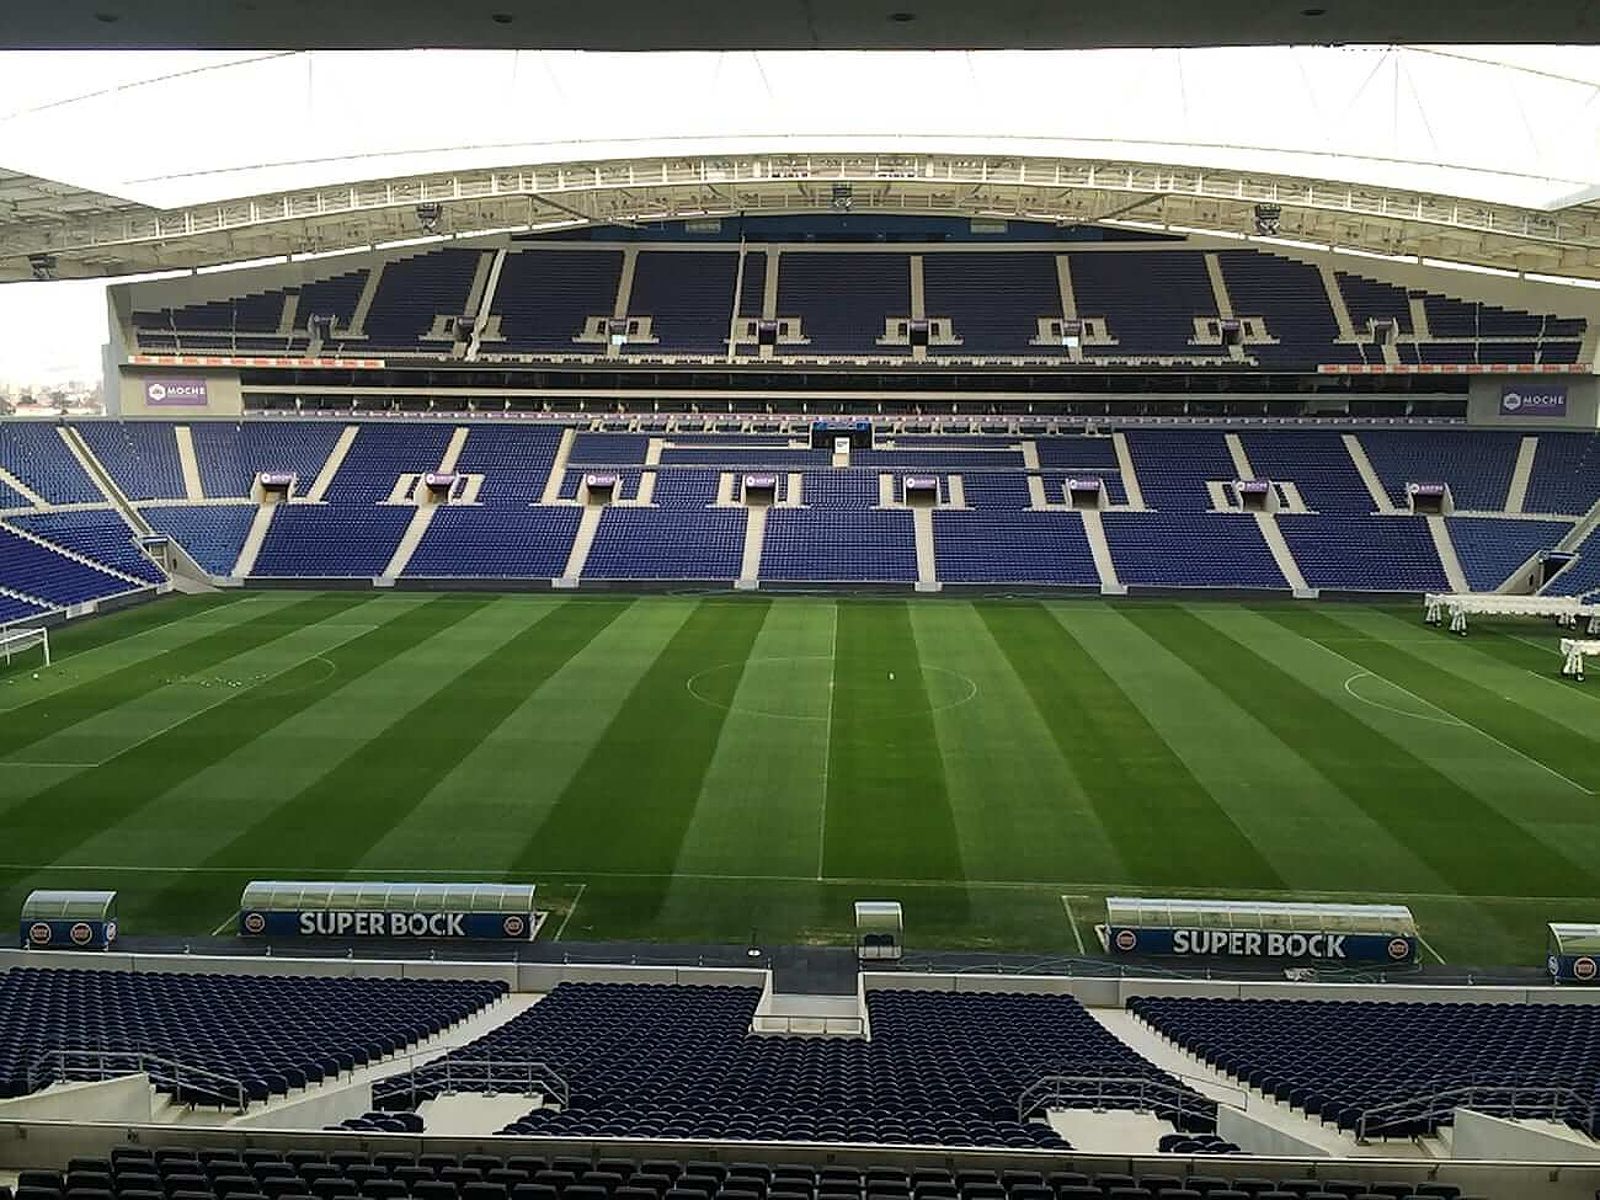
[{"x": 1516, "y": 126}]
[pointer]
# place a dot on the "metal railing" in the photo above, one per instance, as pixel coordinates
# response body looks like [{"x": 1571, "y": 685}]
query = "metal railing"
[
  {"x": 1109, "y": 1091},
  {"x": 1555, "y": 1102},
  {"x": 185, "y": 1080},
  {"x": 491, "y": 1076}
]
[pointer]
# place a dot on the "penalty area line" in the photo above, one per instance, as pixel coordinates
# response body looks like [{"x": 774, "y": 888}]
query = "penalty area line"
[
  {"x": 1077, "y": 935},
  {"x": 571, "y": 908},
  {"x": 1426, "y": 945}
]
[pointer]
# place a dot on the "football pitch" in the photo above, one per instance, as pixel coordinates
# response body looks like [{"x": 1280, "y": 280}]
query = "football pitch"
[{"x": 723, "y": 768}]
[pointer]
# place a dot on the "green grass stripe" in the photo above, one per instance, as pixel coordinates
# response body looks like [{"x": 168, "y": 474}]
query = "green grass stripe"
[
  {"x": 1467, "y": 841},
  {"x": 91, "y": 647},
  {"x": 44, "y": 828},
  {"x": 1002, "y": 767},
  {"x": 1487, "y": 678},
  {"x": 1141, "y": 790},
  {"x": 477, "y": 817},
  {"x": 630, "y": 804},
  {"x": 488, "y": 663},
  {"x": 888, "y": 813},
  {"x": 31, "y": 722},
  {"x": 1306, "y": 827},
  {"x": 762, "y": 796},
  {"x": 250, "y": 782}
]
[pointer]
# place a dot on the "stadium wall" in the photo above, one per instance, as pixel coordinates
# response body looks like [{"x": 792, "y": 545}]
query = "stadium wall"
[
  {"x": 178, "y": 393},
  {"x": 1479, "y": 1136},
  {"x": 1485, "y": 403}
]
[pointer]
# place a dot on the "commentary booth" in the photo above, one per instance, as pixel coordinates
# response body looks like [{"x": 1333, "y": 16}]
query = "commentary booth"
[
  {"x": 388, "y": 911},
  {"x": 1330, "y": 933}
]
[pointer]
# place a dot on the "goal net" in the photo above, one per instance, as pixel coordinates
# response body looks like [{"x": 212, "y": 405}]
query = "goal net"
[{"x": 14, "y": 642}]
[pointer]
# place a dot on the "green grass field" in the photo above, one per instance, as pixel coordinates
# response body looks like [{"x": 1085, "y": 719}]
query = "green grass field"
[{"x": 704, "y": 769}]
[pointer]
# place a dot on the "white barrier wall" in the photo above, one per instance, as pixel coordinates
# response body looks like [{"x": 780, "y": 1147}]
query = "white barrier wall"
[
  {"x": 123, "y": 1100},
  {"x": 1487, "y": 404},
  {"x": 1480, "y": 1136},
  {"x": 323, "y": 1106}
]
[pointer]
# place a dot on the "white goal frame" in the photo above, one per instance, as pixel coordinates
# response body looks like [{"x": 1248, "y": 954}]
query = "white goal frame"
[{"x": 16, "y": 641}]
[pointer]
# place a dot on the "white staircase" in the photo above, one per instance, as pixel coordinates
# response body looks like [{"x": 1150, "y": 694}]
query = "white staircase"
[
  {"x": 588, "y": 524},
  {"x": 1442, "y": 542},
  {"x": 1522, "y": 474},
  {"x": 253, "y": 541},
  {"x": 29, "y": 536},
  {"x": 558, "y": 468},
  {"x": 1219, "y": 287},
  {"x": 1284, "y": 557},
  {"x": 1336, "y": 301},
  {"x": 1100, "y": 549},
  {"x": 341, "y": 448},
  {"x": 409, "y": 541},
  {"x": 927, "y": 564},
  {"x": 1130, "y": 477},
  {"x": 358, "y": 318},
  {"x": 22, "y": 489},
  {"x": 193, "y": 490},
  {"x": 1363, "y": 466},
  {"x": 755, "y": 538}
]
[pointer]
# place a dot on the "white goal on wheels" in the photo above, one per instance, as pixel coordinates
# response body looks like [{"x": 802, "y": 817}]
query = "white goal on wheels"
[{"x": 18, "y": 641}]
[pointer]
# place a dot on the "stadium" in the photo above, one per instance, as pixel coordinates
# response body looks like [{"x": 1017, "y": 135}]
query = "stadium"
[{"x": 878, "y": 607}]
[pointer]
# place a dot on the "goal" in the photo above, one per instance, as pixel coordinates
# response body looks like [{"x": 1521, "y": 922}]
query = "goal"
[{"x": 19, "y": 641}]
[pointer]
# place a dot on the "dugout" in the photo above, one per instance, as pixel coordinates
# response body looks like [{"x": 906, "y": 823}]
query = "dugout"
[
  {"x": 1573, "y": 952},
  {"x": 1383, "y": 933},
  {"x": 880, "y": 927},
  {"x": 357, "y": 910},
  {"x": 69, "y": 920}
]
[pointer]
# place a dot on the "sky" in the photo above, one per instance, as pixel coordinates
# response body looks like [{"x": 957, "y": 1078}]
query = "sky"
[{"x": 52, "y": 332}]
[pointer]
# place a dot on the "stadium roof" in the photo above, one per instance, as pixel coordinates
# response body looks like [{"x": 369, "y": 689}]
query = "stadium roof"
[
  {"x": 783, "y": 24},
  {"x": 1477, "y": 155}
]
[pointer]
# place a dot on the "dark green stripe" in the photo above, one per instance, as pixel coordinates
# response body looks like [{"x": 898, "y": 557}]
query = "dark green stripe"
[
  {"x": 629, "y": 805},
  {"x": 52, "y": 714},
  {"x": 357, "y": 803},
  {"x": 1140, "y": 789},
  {"x": 1470, "y": 844},
  {"x": 889, "y": 814},
  {"x": 49, "y": 824}
]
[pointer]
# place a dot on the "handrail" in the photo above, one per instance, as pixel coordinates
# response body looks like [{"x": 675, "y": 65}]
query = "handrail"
[
  {"x": 88, "y": 1063},
  {"x": 529, "y": 1076},
  {"x": 1500, "y": 1100},
  {"x": 1109, "y": 1091}
]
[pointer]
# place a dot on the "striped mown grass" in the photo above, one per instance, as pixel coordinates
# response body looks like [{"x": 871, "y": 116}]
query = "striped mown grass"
[{"x": 712, "y": 769}]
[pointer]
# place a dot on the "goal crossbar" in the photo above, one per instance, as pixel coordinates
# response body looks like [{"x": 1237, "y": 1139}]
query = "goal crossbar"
[{"x": 17, "y": 641}]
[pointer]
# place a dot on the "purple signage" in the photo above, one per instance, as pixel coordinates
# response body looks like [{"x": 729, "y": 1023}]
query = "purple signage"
[
  {"x": 1253, "y": 487},
  {"x": 1533, "y": 400},
  {"x": 277, "y": 479},
  {"x": 175, "y": 393},
  {"x": 921, "y": 483},
  {"x": 435, "y": 480},
  {"x": 600, "y": 481},
  {"x": 1094, "y": 484},
  {"x": 1426, "y": 489},
  {"x": 761, "y": 481}
]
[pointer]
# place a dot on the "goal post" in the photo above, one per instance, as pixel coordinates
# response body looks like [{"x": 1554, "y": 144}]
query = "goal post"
[{"x": 19, "y": 641}]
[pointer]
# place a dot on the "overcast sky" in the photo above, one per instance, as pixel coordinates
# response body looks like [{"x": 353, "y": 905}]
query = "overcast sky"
[{"x": 51, "y": 332}]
